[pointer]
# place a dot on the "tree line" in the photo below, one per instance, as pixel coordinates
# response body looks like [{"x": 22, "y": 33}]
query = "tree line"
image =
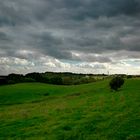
[{"x": 65, "y": 78}]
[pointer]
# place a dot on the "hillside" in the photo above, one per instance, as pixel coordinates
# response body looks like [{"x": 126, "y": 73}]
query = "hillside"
[{"x": 79, "y": 112}]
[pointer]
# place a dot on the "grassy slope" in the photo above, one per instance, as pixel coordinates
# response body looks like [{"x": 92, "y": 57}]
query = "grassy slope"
[{"x": 84, "y": 112}]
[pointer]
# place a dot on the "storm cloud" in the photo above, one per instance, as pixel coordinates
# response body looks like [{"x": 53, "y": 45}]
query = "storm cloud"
[{"x": 86, "y": 36}]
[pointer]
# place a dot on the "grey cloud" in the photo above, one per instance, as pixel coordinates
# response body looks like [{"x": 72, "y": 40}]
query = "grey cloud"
[
  {"x": 96, "y": 8},
  {"x": 30, "y": 29},
  {"x": 91, "y": 66},
  {"x": 88, "y": 57},
  {"x": 25, "y": 12},
  {"x": 10, "y": 16},
  {"x": 50, "y": 45},
  {"x": 3, "y": 37}
]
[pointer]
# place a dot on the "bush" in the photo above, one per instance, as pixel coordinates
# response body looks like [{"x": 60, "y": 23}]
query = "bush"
[
  {"x": 116, "y": 83},
  {"x": 129, "y": 76},
  {"x": 35, "y": 76},
  {"x": 56, "y": 80},
  {"x": 3, "y": 81}
]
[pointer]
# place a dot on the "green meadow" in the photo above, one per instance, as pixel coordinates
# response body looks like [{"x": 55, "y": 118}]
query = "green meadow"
[{"x": 37, "y": 111}]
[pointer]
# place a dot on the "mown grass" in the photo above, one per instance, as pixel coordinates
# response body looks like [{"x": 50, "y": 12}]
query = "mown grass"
[{"x": 83, "y": 112}]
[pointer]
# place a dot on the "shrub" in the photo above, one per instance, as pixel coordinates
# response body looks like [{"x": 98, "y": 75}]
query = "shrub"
[
  {"x": 129, "y": 76},
  {"x": 116, "y": 83},
  {"x": 67, "y": 80},
  {"x": 3, "y": 81},
  {"x": 56, "y": 80},
  {"x": 35, "y": 76},
  {"x": 15, "y": 78}
]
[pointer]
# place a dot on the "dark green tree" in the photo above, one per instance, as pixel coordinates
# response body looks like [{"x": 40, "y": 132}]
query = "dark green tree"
[
  {"x": 116, "y": 83},
  {"x": 56, "y": 80}
]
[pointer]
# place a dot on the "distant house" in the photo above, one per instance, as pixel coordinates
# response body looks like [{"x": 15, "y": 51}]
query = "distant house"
[{"x": 3, "y": 80}]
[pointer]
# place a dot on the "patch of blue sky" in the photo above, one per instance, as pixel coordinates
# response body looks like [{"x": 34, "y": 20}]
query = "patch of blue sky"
[{"x": 133, "y": 62}]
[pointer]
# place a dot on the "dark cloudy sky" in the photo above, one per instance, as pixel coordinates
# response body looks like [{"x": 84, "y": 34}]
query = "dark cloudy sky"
[{"x": 86, "y": 36}]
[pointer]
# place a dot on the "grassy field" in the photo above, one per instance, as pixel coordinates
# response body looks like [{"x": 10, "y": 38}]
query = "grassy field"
[{"x": 36, "y": 111}]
